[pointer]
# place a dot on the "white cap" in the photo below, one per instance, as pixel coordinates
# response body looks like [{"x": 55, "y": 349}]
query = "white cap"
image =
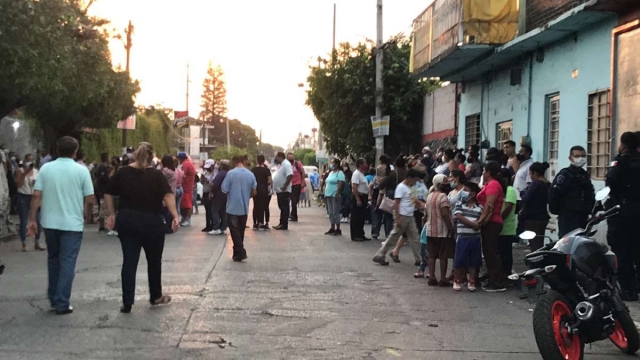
[
  {"x": 426, "y": 148},
  {"x": 209, "y": 163}
]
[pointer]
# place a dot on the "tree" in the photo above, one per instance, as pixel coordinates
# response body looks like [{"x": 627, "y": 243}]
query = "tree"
[
  {"x": 214, "y": 94},
  {"x": 305, "y": 156},
  {"x": 56, "y": 65},
  {"x": 342, "y": 97},
  {"x": 221, "y": 153}
]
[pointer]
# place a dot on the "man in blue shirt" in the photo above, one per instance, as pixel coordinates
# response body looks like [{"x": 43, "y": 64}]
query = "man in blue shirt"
[
  {"x": 65, "y": 192},
  {"x": 240, "y": 185}
]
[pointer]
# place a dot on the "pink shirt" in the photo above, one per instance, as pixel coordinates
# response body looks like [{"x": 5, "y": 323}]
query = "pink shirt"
[
  {"x": 492, "y": 188},
  {"x": 297, "y": 175},
  {"x": 179, "y": 177}
]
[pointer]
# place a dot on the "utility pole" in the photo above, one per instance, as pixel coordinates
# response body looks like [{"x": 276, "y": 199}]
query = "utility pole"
[
  {"x": 379, "y": 83},
  {"x": 127, "y": 46}
]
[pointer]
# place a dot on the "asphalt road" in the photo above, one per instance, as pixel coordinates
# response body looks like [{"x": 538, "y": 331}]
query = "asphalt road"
[{"x": 300, "y": 295}]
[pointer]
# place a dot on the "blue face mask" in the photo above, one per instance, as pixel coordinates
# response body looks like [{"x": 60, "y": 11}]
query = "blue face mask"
[
  {"x": 464, "y": 196},
  {"x": 453, "y": 184},
  {"x": 331, "y": 167}
]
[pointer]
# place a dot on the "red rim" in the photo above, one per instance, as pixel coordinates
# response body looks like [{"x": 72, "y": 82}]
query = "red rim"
[
  {"x": 619, "y": 338},
  {"x": 568, "y": 344}
]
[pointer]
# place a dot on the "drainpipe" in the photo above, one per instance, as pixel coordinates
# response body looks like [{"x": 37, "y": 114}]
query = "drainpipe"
[{"x": 529, "y": 95}]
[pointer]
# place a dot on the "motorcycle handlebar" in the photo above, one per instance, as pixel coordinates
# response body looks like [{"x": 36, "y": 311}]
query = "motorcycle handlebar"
[{"x": 599, "y": 218}]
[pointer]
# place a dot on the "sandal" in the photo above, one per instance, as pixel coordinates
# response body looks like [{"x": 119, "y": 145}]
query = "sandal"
[
  {"x": 433, "y": 282},
  {"x": 418, "y": 275},
  {"x": 395, "y": 258},
  {"x": 162, "y": 300}
]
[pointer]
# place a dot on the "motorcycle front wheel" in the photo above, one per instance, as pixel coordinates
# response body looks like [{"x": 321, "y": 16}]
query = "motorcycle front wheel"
[
  {"x": 625, "y": 336},
  {"x": 550, "y": 318}
]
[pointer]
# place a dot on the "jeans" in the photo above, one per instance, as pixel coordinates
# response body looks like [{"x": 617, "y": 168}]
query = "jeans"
[
  {"x": 334, "y": 206},
  {"x": 179, "y": 192},
  {"x": 295, "y": 197},
  {"x": 62, "y": 248},
  {"x": 137, "y": 231},
  {"x": 380, "y": 217},
  {"x": 261, "y": 209},
  {"x": 283, "y": 204},
  {"x": 208, "y": 207},
  {"x": 424, "y": 262},
  {"x": 24, "y": 205},
  {"x": 358, "y": 217},
  {"x": 219, "y": 212},
  {"x": 237, "y": 225}
]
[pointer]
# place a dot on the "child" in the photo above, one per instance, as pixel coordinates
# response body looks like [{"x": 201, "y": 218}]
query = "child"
[{"x": 468, "y": 247}]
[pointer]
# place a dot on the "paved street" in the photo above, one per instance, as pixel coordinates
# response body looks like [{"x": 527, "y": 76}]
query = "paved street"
[{"x": 299, "y": 295}]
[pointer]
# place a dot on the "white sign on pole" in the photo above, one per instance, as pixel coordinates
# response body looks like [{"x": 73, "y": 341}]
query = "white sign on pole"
[{"x": 380, "y": 125}]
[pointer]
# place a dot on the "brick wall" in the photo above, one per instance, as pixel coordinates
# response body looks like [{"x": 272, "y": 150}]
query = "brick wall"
[{"x": 541, "y": 12}]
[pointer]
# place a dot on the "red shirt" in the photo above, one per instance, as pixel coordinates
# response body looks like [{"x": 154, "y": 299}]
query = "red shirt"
[
  {"x": 492, "y": 188},
  {"x": 189, "y": 176},
  {"x": 297, "y": 175}
]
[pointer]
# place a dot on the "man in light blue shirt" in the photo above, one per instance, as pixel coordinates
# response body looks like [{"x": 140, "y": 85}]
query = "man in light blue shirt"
[
  {"x": 64, "y": 193},
  {"x": 240, "y": 185}
]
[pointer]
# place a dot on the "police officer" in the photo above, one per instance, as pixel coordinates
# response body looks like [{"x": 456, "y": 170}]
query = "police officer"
[
  {"x": 571, "y": 195},
  {"x": 624, "y": 180}
]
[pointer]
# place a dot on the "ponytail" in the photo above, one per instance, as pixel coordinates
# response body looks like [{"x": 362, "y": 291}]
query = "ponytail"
[{"x": 143, "y": 156}]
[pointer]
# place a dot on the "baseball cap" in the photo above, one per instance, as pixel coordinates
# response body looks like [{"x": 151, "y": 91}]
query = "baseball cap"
[
  {"x": 426, "y": 148},
  {"x": 209, "y": 163},
  {"x": 182, "y": 155}
]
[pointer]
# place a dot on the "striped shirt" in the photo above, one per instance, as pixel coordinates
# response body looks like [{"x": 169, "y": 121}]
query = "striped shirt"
[{"x": 470, "y": 213}]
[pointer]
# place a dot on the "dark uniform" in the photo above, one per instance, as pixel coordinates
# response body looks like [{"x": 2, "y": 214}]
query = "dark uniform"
[
  {"x": 624, "y": 180},
  {"x": 572, "y": 198}
]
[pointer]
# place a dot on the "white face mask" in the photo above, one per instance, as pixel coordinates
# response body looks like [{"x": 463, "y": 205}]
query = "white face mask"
[{"x": 579, "y": 161}]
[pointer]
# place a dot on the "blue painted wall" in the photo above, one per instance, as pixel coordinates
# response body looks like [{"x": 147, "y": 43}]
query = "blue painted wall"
[{"x": 588, "y": 52}]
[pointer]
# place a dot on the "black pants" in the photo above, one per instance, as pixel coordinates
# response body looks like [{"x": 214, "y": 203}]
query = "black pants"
[
  {"x": 520, "y": 225},
  {"x": 505, "y": 249},
  {"x": 219, "y": 212},
  {"x": 358, "y": 216},
  {"x": 137, "y": 231},
  {"x": 237, "y": 225},
  {"x": 571, "y": 220},
  {"x": 295, "y": 197},
  {"x": 623, "y": 239},
  {"x": 284, "y": 201},
  {"x": 207, "y": 203},
  {"x": 261, "y": 209}
]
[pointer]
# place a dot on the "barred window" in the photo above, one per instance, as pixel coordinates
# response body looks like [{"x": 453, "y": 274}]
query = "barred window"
[
  {"x": 553, "y": 119},
  {"x": 598, "y": 134},
  {"x": 504, "y": 132},
  {"x": 472, "y": 130}
]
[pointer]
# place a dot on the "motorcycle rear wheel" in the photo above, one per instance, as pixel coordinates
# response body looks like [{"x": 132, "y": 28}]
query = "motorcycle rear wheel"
[
  {"x": 552, "y": 337},
  {"x": 625, "y": 336}
]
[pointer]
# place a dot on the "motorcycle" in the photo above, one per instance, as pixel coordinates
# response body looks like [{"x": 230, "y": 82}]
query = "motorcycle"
[{"x": 573, "y": 283}]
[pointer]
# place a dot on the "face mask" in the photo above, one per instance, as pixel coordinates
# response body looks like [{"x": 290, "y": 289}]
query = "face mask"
[
  {"x": 443, "y": 158},
  {"x": 453, "y": 184},
  {"x": 579, "y": 161},
  {"x": 277, "y": 161},
  {"x": 331, "y": 167},
  {"x": 28, "y": 164},
  {"x": 13, "y": 158},
  {"x": 464, "y": 196}
]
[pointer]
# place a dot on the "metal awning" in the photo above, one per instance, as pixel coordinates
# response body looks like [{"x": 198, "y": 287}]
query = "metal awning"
[
  {"x": 451, "y": 61},
  {"x": 569, "y": 23}
]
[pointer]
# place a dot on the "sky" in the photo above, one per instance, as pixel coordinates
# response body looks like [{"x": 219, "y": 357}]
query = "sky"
[{"x": 264, "y": 47}]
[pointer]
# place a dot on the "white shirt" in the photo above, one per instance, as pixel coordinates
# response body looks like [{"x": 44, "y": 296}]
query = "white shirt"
[
  {"x": 441, "y": 169},
  {"x": 359, "y": 179},
  {"x": 522, "y": 178},
  {"x": 280, "y": 178},
  {"x": 29, "y": 182},
  {"x": 403, "y": 192}
]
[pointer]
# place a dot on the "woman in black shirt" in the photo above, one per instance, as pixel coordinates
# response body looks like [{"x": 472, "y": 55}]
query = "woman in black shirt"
[
  {"x": 263, "y": 198},
  {"x": 140, "y": 222}
]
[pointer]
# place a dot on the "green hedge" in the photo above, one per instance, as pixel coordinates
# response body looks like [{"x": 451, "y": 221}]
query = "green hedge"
[{"x": 152, "y": 128}]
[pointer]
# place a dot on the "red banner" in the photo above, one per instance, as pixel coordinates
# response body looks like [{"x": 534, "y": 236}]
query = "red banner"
[{"x": 128, "y": 123}]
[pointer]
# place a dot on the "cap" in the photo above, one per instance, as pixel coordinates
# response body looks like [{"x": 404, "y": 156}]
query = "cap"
[
  {"x": 426, "y": 148},
  {"x": 182, "y": 155},
  {"x": 439, "y": 179},
  {"x": 209, "y": 163}
]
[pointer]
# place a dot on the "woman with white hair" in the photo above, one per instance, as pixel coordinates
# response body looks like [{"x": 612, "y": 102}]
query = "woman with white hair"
[
  {"x": 439, "y": 229},
  {"x": 142, "y": 190}
]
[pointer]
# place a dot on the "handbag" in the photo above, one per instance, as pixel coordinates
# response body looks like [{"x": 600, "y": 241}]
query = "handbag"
[{"x": 387, "y": 203}]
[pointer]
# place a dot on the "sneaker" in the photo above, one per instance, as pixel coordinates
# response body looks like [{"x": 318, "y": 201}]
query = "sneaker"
[
  {"x": 215, "y": 232},
  {"x": 264, "y": 227},
  {"x": 112, "y": 233},
  {"x": 380, "y": 261},
  {"x": 256, "y": 227},
  {"x": 456, "y": 286},
  {"x": 337, "y": 233},
  {"x": 418, "y": 275},
  {"x": 330, "y": 232},
  {"x": 472, "y": 286},
  {"x": 224, "y": 232},
  {"x": 493, "y": 288}
]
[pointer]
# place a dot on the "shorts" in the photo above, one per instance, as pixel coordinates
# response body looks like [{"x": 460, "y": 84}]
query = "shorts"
[
  {"x": 441, "y": 248},
  {"x": 468, "y": 253}
]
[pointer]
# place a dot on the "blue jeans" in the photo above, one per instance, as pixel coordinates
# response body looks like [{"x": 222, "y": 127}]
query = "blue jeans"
[
  {"x": 24, "y": 205},
  {"x": 379, "y": 217},
  {"x": 424, "y": 257},
  {"x": 63, "y": 248},
  {"x": 179, "y": 192},
  {"x": 219, "y": 212}
]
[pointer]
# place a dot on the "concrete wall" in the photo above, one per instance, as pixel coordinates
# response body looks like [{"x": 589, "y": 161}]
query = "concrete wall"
[{"x": 439, "y": 114}]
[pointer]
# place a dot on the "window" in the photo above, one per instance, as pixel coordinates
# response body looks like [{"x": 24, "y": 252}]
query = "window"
[
  {"x": 504, "y": 133},
  {"x": 598, "y": 134},
  {"x": 472, "y": 130},
  {"x": 553, "y": 121}
]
